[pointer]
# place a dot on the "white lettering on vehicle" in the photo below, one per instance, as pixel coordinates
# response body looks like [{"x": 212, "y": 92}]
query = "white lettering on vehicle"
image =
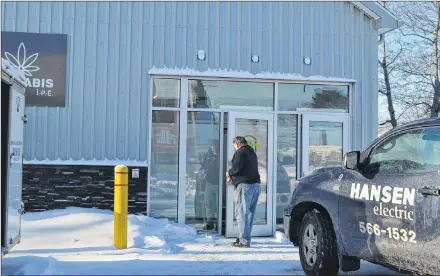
[
  {"x": 386, "y": 194},
  {"x": 395, "y": 233},
  {"x": 396, "y": 212},
  {"x": 397, "y": 196}
]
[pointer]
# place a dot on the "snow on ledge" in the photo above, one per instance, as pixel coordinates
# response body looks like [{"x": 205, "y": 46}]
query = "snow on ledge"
[
  {"x": 222, "y": 73},
  {"x": 84, "y": 162},
  {"x": 14, "y": 72}
]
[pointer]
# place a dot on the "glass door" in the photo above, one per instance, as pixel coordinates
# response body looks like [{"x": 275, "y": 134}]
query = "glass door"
[
  {"x": 325, "y": 140},
  {"x": 257, "y": 128}
]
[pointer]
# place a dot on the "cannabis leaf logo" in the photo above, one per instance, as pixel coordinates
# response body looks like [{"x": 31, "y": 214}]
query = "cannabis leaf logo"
[{"x": 21, "y": 62}]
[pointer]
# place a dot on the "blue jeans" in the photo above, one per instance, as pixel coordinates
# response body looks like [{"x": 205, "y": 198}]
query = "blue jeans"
[{"x": 246, "y": 199}]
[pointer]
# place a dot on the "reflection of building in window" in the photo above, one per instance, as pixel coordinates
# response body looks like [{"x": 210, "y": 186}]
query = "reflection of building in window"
[
  {"x": 166, "y": 92},
  {"x": 166, "y": 137},
  {"x": 325, "y": 154},
  {"x": 197, "y": 96},
  {"x": 165, "y": 131},
  {"x": 165, "y": 145},
  {"x": 325, "y": 133},
  {"x": 214, "y": 94},
  {"x": 203, "y": 128}
]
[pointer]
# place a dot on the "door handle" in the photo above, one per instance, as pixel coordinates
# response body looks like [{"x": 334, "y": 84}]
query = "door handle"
[{"x": 429, "y": 191}]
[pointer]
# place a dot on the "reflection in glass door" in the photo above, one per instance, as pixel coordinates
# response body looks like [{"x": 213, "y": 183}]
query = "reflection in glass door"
[
  {"x": 203, "y": 170},
  {"x": 258, "y": 131},
  {"x": 325, "y": 140}
]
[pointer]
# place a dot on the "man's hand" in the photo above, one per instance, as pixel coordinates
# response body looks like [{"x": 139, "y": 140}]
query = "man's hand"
[{"x": 228, "y": 177}]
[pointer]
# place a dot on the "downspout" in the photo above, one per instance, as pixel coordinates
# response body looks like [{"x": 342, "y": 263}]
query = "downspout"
[
  {"x": 381, "y": 38},
  {"x": 382, "y": 35}
]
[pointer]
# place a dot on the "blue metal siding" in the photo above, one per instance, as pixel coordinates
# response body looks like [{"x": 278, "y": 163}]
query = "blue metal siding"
[{"x": 113, "y": 45}]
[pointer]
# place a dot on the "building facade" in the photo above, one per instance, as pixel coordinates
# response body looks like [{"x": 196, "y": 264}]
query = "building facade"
[{"x": 164, "y": 86}]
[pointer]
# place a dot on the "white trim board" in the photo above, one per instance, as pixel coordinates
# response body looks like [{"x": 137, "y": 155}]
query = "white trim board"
[
  {"x": 84, "y": 162},
  {"x": 222, "y": 73}
]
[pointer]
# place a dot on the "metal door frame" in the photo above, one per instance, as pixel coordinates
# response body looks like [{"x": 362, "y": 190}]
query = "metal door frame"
[
  {"x": 332, "y": 118},
  {"x": 258, "y": 230}
]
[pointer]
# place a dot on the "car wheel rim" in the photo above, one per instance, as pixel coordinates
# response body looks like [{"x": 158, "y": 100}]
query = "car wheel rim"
[{"x": 309, "y": 245}]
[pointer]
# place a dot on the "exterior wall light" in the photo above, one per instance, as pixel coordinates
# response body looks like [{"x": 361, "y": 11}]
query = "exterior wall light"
[
  {"x": 255, "y": 58},
  {"x": 201, "y": 55},
  {"x": 307, "y": 60}
]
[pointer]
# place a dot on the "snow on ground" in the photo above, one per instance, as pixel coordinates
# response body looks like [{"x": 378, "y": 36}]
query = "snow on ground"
[{"x": 79, "y": 241}]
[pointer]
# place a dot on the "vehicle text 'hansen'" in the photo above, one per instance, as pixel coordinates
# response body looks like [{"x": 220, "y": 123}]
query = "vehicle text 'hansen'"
[{"x": 386, "y": 194}]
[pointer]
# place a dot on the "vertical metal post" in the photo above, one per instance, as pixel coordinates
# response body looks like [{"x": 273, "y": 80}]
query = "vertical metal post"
[
  {"x": 183, "y": 134},
  {"x": 120, "y": 207},
  {"x": 222, "y": 173},
  {"x": 275, "y": 158}
]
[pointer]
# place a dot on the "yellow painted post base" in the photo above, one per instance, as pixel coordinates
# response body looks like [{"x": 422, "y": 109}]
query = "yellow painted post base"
[{"x": 121, "y": 207}]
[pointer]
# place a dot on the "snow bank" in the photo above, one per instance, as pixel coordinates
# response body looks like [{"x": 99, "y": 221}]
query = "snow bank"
[
  {"x": 222, "y": 73},
  {"x": 160, "y": 234},
  {"x": 96, "y": 230},
  {"x": 14, "y": 72},
  {"x": 281, "y": 238}
]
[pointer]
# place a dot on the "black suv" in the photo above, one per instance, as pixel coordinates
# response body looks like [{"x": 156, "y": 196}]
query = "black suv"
[{"x": 382, "y": 205}]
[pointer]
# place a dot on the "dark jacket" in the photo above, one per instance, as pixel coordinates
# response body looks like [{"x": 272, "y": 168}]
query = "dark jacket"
[
  {"x": 210, "y": 165},
  {"x": 244, "y": 166}
]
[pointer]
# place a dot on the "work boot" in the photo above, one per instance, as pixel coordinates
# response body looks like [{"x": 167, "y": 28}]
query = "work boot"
[
  {"x": 240, "y": 245},
  {"x": 237, "y": 241}
]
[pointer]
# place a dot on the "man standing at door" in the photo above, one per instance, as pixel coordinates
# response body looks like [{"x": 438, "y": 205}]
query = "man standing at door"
[{"x": 245, "y": 177}]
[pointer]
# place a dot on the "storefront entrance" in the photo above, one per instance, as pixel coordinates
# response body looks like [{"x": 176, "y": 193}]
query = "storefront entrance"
[{"x": 294, "y": 128}]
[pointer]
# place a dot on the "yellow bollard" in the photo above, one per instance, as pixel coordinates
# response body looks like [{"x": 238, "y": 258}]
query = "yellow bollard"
[{"x": 121, "y": 207}]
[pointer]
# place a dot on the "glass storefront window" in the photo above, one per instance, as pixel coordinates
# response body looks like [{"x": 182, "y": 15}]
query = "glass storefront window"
[
  {"x": 221, "y": 94},
  {"x": 325, "y": 144},
  {"x": 203, "y": 170},
  {"x": 164, "y": 164},
  {"x": 166, "y": 93},
  {"x": 286, "y": 162},
  {"x": 306, "y": 97}
]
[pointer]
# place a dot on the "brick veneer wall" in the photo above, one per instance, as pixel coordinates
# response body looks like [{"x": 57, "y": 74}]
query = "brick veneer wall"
[{"x": 48, "y": 187}]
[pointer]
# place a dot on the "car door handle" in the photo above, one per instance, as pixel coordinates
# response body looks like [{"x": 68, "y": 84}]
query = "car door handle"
[{"x": 429, "y": 191}]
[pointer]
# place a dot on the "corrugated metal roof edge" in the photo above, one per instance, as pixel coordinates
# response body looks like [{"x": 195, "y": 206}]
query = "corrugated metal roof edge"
[{"x": 385, "y": 21}]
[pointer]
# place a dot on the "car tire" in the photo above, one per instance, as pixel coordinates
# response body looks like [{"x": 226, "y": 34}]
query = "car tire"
[{"x": 317, "y": 245}]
